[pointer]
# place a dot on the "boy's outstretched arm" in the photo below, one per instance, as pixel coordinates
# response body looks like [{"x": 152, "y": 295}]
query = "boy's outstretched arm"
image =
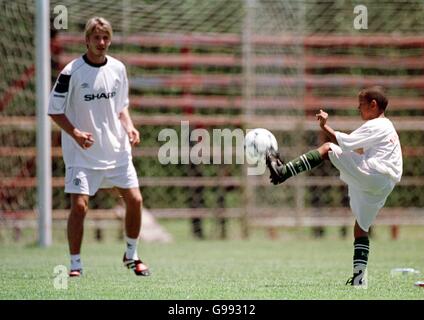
[{"x": 322, "y": 117}]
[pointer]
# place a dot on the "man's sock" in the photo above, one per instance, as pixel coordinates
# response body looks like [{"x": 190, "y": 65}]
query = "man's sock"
[
  {"x": 76, "y": 263},
  {"x": 131, "y": 252},
  {"x": 305, "y": 162},
  {"x": 360, "y": 259}
]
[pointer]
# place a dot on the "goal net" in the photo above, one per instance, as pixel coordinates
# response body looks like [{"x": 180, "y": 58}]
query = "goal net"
[{"x": 226, "y": 64}]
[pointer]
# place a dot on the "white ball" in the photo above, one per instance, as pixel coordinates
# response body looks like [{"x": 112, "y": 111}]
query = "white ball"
[{"x": 257, "y": 142}]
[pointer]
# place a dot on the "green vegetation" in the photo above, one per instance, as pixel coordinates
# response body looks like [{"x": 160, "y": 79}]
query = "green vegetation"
[
  {"x": 292, "y": 267},
  {"x": 217, "y": 17}
]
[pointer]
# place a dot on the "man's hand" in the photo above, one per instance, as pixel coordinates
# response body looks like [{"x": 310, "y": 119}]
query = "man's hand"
[
  {"x": 134, "y": 136},
  {"x": 127, "y": 123},
  {"x": 322, "y": 117},
  {"x": 275, "y": 166},
  {"x": 84, "y": 139}
]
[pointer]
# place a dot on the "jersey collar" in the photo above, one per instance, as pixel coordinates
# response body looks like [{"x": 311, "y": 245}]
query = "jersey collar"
[{"x": 95, "y": 65}]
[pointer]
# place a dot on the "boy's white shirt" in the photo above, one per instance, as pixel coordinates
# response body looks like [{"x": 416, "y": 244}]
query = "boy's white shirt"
[
  {"x": 93, "y": 102},
  {"x": 380, "y": 142}
]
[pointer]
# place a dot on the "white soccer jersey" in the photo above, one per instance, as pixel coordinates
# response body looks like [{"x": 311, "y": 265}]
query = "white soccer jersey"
[
  {"x": 92, "y": 96},
  {"x": 380, "y": 142}
]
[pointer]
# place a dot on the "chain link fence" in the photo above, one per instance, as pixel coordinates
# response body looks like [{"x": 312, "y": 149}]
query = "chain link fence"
[{"x": 227, "y": 64}]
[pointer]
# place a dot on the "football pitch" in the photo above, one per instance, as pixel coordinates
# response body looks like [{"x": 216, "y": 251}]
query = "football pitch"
[{"x": 295, "y": 266}]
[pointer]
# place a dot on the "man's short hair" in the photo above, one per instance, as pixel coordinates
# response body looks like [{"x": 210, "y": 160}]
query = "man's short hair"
[
  {"x": 375, "y": 93},
  {"x": 98, "y": 23}
]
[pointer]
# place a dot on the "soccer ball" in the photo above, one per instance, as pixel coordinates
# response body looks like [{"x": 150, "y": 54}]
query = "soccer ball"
[{"x": 257, "y": 142}]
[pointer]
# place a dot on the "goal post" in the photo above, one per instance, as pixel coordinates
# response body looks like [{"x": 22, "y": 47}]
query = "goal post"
[{"x": 43, "y": 83}]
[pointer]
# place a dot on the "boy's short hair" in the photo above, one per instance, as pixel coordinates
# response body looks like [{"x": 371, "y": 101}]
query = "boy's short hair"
[
  {"x": 375, "y": 93},
  {"x": 98, "y": 23}
]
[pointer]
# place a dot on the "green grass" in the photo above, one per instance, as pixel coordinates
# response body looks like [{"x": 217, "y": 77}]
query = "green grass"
[{"x": 295, "y": 266}]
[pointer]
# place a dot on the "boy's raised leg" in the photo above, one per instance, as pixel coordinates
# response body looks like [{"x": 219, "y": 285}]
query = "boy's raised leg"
[{"x": 280, "y": 172}]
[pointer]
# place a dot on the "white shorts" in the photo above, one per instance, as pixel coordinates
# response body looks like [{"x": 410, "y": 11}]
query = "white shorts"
[
  {"x": 368, "y": 189},
  {"x": 89, "y": 181}
]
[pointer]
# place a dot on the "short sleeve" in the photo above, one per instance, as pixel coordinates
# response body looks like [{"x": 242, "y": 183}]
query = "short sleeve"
[
  {"x": 60, "y": 95},
  {"x": 123, "y": 99},
  {"x": 363, "y": 137}
]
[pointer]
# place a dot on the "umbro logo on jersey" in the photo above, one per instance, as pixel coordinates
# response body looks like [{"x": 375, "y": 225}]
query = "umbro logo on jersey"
[
  {"x": 84, "y": 85},
  {"x": 103, "y": 95}
]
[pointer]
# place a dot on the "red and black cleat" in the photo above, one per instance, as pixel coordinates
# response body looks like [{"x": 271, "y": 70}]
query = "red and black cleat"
[
  {"x": 75, "y": 273},
  {"x": 140, "y": 269}
]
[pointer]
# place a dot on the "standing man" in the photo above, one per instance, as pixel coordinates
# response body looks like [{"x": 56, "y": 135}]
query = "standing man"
[{"x": 89, "y": 102}]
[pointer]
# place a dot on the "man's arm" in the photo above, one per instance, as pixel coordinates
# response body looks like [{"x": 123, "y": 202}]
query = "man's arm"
[
  {"x": 132, "y": 132},
  {"x": 323, "y": 117},
  {"x": 84, "y": 139}
]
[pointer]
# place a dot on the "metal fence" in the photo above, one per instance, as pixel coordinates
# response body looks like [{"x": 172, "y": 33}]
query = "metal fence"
[{"x": 227, "y": 64}]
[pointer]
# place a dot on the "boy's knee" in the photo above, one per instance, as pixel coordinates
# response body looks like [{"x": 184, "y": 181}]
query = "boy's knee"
[
  {"x": 327, "y": 146},
  {"x": 324, "y": 149}
]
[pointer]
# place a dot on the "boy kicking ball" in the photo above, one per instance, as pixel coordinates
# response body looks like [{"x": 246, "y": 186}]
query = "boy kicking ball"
[{"x": 370, "y": 163}]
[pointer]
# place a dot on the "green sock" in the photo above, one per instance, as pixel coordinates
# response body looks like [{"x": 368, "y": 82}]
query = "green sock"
[
  {"x": 360, "y": 257},
  {"x": 305, "y": 162}
]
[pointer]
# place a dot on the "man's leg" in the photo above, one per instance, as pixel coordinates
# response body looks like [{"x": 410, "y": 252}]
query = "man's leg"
[
  {"x": 281, "y": 172},
  {"x": 79, "y": 207},
  {"x": 360, "y": 255},
  {"x": 133, "y": 203}
]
